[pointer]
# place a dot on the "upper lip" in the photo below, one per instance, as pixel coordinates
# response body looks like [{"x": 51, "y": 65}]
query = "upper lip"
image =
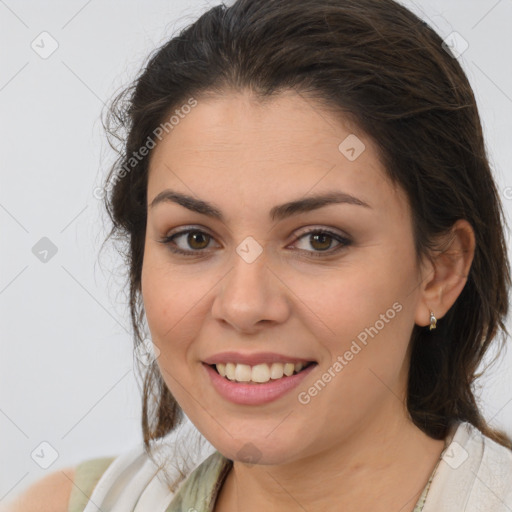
[{"x": 254, "y": 359}]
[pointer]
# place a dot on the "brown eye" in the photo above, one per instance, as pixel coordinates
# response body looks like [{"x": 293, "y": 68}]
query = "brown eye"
[
  {"x": 189, "y": 242},
  {"x": 197, "y": 239},
  {"x": 320, "y": 241}
]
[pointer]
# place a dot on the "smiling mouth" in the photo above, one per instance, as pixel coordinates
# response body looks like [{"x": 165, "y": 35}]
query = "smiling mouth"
[{"x": 260, "y": 373}]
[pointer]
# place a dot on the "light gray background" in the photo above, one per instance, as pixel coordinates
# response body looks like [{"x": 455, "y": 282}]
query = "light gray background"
[{"x": 66, "y": 367}]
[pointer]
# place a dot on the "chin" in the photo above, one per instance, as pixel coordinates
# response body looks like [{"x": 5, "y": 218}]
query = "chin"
[{"x": 260, "y": 451}]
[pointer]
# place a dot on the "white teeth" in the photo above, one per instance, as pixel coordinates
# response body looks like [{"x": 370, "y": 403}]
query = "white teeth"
[
  {"x": 289, "y": 368},
  {"x": 259, "y": 373},
  {"x": 221, "y": 368},
  {"x": 230, "y": 371},
  {"x": 276, "y": 371},
  {"x": 243, "y": 373}
]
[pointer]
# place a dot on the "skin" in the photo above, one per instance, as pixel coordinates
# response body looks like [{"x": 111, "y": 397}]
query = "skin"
[{"x": 353, "y": 446}]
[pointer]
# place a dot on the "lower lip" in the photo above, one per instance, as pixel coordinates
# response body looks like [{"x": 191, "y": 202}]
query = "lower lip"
[{"x": 255, "y": 394}]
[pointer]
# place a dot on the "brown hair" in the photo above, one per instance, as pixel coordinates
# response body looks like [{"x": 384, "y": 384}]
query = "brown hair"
[{"x": 379, "y": 64}]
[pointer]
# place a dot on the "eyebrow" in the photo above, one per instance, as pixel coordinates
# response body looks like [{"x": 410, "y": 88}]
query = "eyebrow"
[{"x": 279, "y": 212}]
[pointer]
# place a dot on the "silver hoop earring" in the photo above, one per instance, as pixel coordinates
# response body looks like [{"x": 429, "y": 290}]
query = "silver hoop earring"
[{"x": 433, "y": 321}]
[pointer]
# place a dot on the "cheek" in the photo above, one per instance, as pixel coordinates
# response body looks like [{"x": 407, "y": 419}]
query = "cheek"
[
  {"x": 175, "y": 302},
  {"x": 163, "y": 306},
  {"x": 365, "y": 328},
  {"x": 351, "y": 300},
  {"x": 157, "y": 303},
  {"x": 162, "y": 298},
  {"x": 367, "y": 303}
]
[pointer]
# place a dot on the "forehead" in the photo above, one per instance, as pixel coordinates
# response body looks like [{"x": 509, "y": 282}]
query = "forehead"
[
  {"x": 286, "y": 146},
  {"x": 287, "y": 126}
]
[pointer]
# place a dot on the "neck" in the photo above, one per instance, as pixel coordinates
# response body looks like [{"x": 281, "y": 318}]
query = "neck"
[{"x": 379, "y": 468}]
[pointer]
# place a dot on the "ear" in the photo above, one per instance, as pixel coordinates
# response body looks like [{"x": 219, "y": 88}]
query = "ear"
[{"x": 445, "y": 274}]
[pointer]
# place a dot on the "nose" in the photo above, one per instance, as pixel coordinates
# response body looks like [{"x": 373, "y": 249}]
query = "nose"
[{"x": 250, "y": 296}]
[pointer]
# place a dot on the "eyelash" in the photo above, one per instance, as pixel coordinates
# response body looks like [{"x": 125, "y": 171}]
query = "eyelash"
[{"x": 344, "y": 242}]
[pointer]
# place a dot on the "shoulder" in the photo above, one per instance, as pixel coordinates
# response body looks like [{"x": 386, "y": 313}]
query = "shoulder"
[
  {"x": 48, "y": 494},
  {"x": 87, "y": 475},
  {"x": 65, "y": 490},
  {"x": 492, "y": 470},
  {"x": 474, "y": 470}
]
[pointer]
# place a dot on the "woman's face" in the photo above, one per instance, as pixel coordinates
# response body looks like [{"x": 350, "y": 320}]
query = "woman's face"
[{"x": 253, "y": 282}]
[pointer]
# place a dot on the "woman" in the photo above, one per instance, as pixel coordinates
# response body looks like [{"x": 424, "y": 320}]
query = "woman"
[{"x": 315, "y": 240}]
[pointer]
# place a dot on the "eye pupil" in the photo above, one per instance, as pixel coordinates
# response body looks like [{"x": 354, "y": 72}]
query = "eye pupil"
[
  {"x": 321, "y": 236},
  {"x": 192, "y": 238}
]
